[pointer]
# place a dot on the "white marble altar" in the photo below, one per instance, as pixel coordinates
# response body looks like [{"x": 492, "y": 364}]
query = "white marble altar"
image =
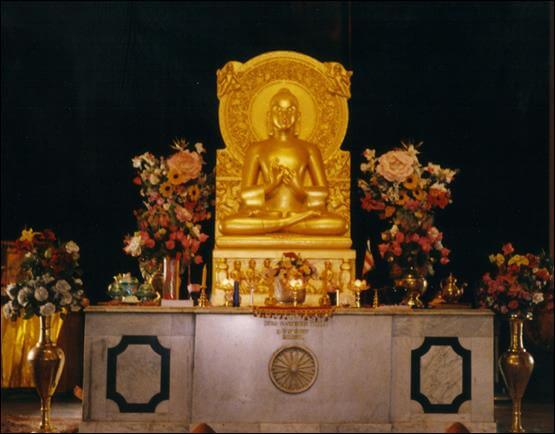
[{"x": 367, "y": 370}]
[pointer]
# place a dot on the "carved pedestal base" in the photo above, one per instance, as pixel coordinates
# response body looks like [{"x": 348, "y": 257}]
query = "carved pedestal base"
[{"x": 226, "y": 264}]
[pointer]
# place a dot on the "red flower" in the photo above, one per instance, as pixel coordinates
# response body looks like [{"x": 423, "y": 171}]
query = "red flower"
[
  {"x": 507, "y": 249},
  {"x": 370, "y": 204},
  {"x": 543, "y": 274},
  {"x": 425, "y": 245},
  {"x": 444, "y": 260},
  {"x": 445, "y": 252},
  {"x": 170, "y": 244},
  {"x": 137, "y": 180},
  {"x": 49, "y": 235},
  {"x": 397, "y": 251},
  {"x": 513, "y": 305},
  {"x": 150, "y": 243},
  {"x": 198, "y": 260},
  {"x": 383, "y": 248}
]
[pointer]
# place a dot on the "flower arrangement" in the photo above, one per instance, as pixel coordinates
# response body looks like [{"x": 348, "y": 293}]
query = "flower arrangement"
[
  {"x": 292, "y": 266},
  {"x": 177, "y": 196},
  {"x": 51, "y": 277},
  {"x": 406, "y": 193},
  {"x": 518, "y": 282}
]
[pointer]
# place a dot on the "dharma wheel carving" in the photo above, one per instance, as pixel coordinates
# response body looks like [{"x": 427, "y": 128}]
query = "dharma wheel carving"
[{"x": 293, "y": 369}]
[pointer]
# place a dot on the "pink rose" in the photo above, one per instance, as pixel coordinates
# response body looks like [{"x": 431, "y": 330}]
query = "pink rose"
[
  {"x": 395, "y": 166},
  {"x": 187, "y": 163},
  {"x": 444, "y": 260}
]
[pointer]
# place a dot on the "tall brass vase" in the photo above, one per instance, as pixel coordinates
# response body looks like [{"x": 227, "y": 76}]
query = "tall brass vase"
[
  {"x": 516, "y": 366},
  {"x": 47, "y": 361}
]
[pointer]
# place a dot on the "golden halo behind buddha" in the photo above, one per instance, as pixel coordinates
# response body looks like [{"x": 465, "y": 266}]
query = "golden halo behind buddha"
[{"x": 245, "y": 91}]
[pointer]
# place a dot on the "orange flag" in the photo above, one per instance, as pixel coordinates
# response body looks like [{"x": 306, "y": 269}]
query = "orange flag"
[{"x": 368, "y": 260}]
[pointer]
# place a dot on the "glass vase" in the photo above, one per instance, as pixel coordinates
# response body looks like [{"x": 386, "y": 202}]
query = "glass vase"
[
  {"x": 171, "y": 277},
  {"x": 516, "y": 366}
]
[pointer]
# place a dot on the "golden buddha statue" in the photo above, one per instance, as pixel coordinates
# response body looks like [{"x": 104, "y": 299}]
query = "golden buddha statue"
[
  {"x": 282, "y": 201},
  {"x": 282, "y": 182}
]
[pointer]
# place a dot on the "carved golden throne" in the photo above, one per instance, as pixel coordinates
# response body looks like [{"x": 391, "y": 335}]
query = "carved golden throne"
[{"x": 244, "y": 91}]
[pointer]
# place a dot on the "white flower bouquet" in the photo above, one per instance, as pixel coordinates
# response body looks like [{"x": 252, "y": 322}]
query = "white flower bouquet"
[{"x": 50, "y": 280}]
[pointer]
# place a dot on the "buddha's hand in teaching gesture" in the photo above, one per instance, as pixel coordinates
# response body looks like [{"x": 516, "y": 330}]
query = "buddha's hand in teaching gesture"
[
  {"x": 276, "y": 178},
  {"x": 291, "y": 179}
]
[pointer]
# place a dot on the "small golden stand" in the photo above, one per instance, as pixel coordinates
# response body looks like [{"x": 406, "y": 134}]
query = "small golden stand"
[
  {"x": 375, "y": 301},
  {"x": 203, "y": 300}
]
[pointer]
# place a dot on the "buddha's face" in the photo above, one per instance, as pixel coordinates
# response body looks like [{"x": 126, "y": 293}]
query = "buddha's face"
[{"x": 283, "y": 111}]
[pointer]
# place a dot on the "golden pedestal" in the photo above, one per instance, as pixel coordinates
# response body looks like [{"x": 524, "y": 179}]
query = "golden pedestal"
[{"x": 249, "y": 124}]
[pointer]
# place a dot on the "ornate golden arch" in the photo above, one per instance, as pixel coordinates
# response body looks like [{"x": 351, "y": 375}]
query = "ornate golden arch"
[{"x": 245, "y": 90}]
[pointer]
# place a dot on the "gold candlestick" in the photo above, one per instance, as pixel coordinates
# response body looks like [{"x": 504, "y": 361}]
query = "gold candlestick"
[
  {"x": 203, "y": 300},
  {"x": 358, "y": 286}
]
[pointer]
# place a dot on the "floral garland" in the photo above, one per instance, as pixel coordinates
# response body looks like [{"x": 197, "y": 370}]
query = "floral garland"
[
  {"x": 51, "y": 277},
  {"x": 517, "y": 283},
  {"x": 177, "y": 196},
  {"x": 406, "y": 193}
]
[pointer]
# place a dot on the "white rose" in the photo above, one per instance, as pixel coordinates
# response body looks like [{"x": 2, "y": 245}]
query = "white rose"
[
  {"x": 136, "y": 162},
  {"x": 153, "y": 179},
  {"x": 47, "y": 278},
  {"x": 72, "y": 247},
  {"x": 47, "y": 309},
  {"x": 434, "y": 169},
  {"x": 78, "y": 282},
  {"x": 62, "y": 286},
  {"x": 537, "y": 297},
  {"x": 134, "y": 246},
  {"x": 8, "y": 310},
  {"x": 199, "y": 147},
  {"x": 23, "y": 296},
  {"x": 41, "y": 293},
  {"x": 438, "y": 186},
  {"x": 195, "y": 231},
  {"x": 11, "y": 290},
  {"x": 66, "y": 299}
]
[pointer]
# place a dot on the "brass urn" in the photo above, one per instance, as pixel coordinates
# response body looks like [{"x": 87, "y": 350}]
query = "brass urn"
[
  {"x": 415, "y": 285},
  {"x": 47, "y": 361},
  {"x": 516, "y": 366},
  {"x": 450, "y": 291}
]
